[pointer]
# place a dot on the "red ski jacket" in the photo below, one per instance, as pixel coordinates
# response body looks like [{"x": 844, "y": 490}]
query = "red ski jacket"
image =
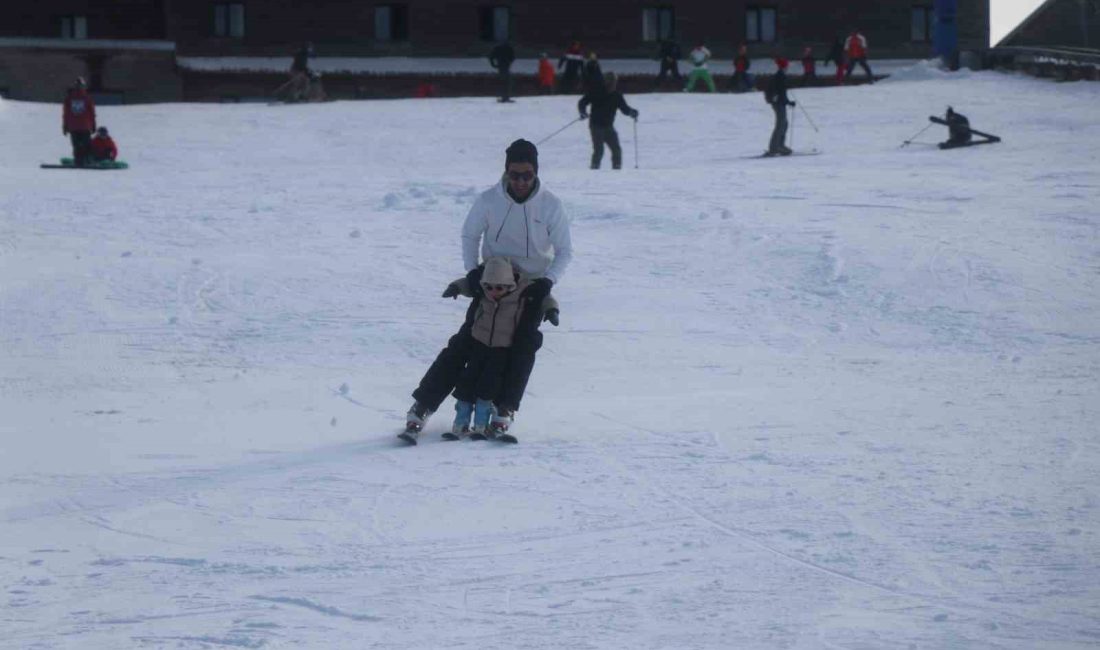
[
  {"x": 79, "y": 114},
  {"x": 103, "y": 148},
  {"x": 546, "y": 73},
  {"x": 856, "y": 45}
]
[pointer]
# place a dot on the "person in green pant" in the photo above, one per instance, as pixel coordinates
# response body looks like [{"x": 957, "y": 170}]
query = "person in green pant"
[{"x": 699, "y": 57}]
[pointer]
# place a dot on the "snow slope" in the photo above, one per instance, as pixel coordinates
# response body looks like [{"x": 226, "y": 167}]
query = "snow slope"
[{"x": 839, "y": 401}]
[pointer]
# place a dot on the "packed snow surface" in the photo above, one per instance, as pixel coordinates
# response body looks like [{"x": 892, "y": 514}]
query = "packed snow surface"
[{"x": 837, "y": 401}]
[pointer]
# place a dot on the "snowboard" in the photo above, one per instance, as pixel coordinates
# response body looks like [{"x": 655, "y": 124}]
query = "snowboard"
[{"x": 67, "y": 163}]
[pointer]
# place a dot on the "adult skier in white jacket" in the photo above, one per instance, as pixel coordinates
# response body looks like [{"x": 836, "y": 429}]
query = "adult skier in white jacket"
[{"x": 520, "y": 220}]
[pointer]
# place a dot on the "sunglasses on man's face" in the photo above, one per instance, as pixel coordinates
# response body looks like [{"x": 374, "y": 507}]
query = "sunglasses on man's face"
[
  {"x": 521, "y": 176},
  {"x": 497, "y": 287}
]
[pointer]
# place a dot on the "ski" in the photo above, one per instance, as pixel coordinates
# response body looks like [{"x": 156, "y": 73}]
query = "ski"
[
  {"x": 506, "y": 438},
  {"x": 777, "y": 155},
  {"x": 410, "y": 435},
  {"x": 972, "y": 143}
]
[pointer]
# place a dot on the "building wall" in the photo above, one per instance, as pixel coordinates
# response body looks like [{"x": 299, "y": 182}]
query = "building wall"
[
  {"x": 1072, "y": 23},
  {"x": 115, "y": 76},
  {"x": 106, "y": 19}
]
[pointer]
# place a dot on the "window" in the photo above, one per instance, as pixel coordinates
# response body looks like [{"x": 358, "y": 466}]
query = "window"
[
  {"x": 229, "y": 20},
  {"x": 760, "y": 24},
  {"x": 391, "y": 23},
  {"x": 658, "y": 23},
  {"x": 921, "y": 25},
  {"x": 494, "y": 23},
  {"x": 74, "y": 27}
]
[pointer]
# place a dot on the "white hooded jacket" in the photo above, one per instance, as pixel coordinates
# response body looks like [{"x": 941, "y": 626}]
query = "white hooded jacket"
[{"x": 534, "y": 234}]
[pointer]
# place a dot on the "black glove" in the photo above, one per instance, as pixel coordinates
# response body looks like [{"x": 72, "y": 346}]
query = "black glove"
[
  {"x": 634, "y": 113},
  {"x": 451, "y": 291},
  {"x": 537, "y": 290},
  {"x": 552, "y": 316},
  {"x": 473, "y": 277},
  {"x": 790, "y": 104},
  {"x": 584, "y": 116}
]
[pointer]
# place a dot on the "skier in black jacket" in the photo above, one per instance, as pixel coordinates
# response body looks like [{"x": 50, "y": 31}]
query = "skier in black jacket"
[
  {"x": 669, "y": 55},
  {"x": 605, "y": 102},
  {"x": 776, "y": 95},
  {"x": 502, "y": 58}
]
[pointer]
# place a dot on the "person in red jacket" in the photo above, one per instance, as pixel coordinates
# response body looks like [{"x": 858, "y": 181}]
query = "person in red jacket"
[
  {"x": 741, "y": 81},
  {"x": 78, "y": 120},
  {"x": 809, "y": 69},
  {"x": 856, "y": 47},
  {"x": 103, "y": 147},
  {"x": 546, "y": 74}
]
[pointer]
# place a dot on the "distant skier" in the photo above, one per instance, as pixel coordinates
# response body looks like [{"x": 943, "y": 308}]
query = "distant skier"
[
  {"x": 592, "y": 75},
  {"x": 605, "y": 102},
  {"x": 573, "y": 60},
  {"x": 501, "y": 58},
  {"x": 741, "y": 81},
  {"x": 669, "y": 56},
  {"x": 836, "y": 56},
  {"x": 546, "y": 74},
  {"x": 699, "y": 57},
  {"x": 958, "y": 129},
  {"x": 103, "y": 146},
  {"x": 776, "y": 95},
  {"x": 78, "y": 121},
  {"x": 300, "y": 64},
  {"x": 519, "y": 220},
  {"x": 856, "y": 48},
  {"x": 809, "y": 69}
]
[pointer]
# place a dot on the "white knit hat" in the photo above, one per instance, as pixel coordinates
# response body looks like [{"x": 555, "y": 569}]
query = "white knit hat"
[{"x": 498, "y": 270}]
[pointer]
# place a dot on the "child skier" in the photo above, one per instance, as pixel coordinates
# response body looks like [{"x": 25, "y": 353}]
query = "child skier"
[
  {"x": 699, "y": 57},
  {"x": 546, "y": 74},
  {"x": 493, "y": 331}
]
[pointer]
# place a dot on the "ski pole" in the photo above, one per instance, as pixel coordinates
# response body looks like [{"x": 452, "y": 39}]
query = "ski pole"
[
  {"x": 915, "y": 136},
  {"x": 559, "y": 130},
  {"x": 808, "y": 118},
  {"x": 793, "y": 115},
  {"x": 635, "y": 143}
]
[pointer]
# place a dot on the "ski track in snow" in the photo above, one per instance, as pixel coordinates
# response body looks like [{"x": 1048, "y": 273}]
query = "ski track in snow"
[{"x": 843, "y": 401}]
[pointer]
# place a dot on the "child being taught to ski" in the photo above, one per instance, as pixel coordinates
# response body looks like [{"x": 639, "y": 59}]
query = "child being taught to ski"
[
  {"x": 494, "y": 326},
  {"x": 520, "y": 220},
  {"x": 699, "y": 57},
  {"x": 605, "y": 102},
  {"x": 776, "y": 95}
]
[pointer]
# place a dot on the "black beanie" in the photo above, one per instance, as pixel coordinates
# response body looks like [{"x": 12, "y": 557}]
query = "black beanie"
[{"x": 522, "y": 151}]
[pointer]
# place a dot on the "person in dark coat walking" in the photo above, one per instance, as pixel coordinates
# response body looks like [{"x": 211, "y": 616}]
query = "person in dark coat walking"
[
  {"x": 592, "y": 75},
  {"x": 836, "y": 56},
  {"x": 669, "y": 56},
  {"x": 573, "y": 60},
  {"x": 502, "y": 58},
  {"x": 78, "y": 121},
  {"x": 776, "y": 95},
  {"x": 740, "y": 82},
  {"x": 605, "y": 102}
]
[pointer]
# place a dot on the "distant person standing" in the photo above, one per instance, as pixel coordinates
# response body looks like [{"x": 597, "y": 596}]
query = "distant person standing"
[
  {"x": 776, "y": 95},
  {"x": 809, "y": 69},
  {"x": 856, "y": 47},
  {"x": 592, "y": 75},
  {"x": 699, "y": 58},
  {"x": 546, "y": 74},
  {"x": 836, "y": 56},
  {"x": 300, "y": 65},
  {"x": 78, "y": 121},
  {"x": 502, "y": 58},
  {"x": 605, "y": 101},
  {"x": 669, "y": 56},
  {"x": 573, "y": 60},
  {"x": 741, "y": 63}
]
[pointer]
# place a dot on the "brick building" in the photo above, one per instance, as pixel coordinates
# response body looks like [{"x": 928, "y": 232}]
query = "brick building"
[{"x": 127, "y": 47}]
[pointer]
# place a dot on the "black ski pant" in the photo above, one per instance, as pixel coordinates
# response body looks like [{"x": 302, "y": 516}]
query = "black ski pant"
[
  {"x": 444, "y": 373},
  {"x": 862, "y": 61},
  {"x": 505, "y": 85},
  {"x": 82, "y": 147},
  {"x": 602, "y": 135},
  {"x": 667, "y": 68},
  {"x": 483, "y": 376},
  {"x": 779, "y": 133},
  {"x": 739, "y": 83}
]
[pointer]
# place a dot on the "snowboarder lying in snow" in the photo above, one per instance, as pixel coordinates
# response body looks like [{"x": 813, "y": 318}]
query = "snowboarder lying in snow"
[
  {"x": 499, "y": 310},
  {"x": 102, "y": 146}
]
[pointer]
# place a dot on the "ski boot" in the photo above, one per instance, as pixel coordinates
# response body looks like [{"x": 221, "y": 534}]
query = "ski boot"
[
  {"x": 414, "y": 422},
  {"x": 498, "y": 427},
  {"x": 483, "y": 415},
  {"x": 461, "y": 426}
]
